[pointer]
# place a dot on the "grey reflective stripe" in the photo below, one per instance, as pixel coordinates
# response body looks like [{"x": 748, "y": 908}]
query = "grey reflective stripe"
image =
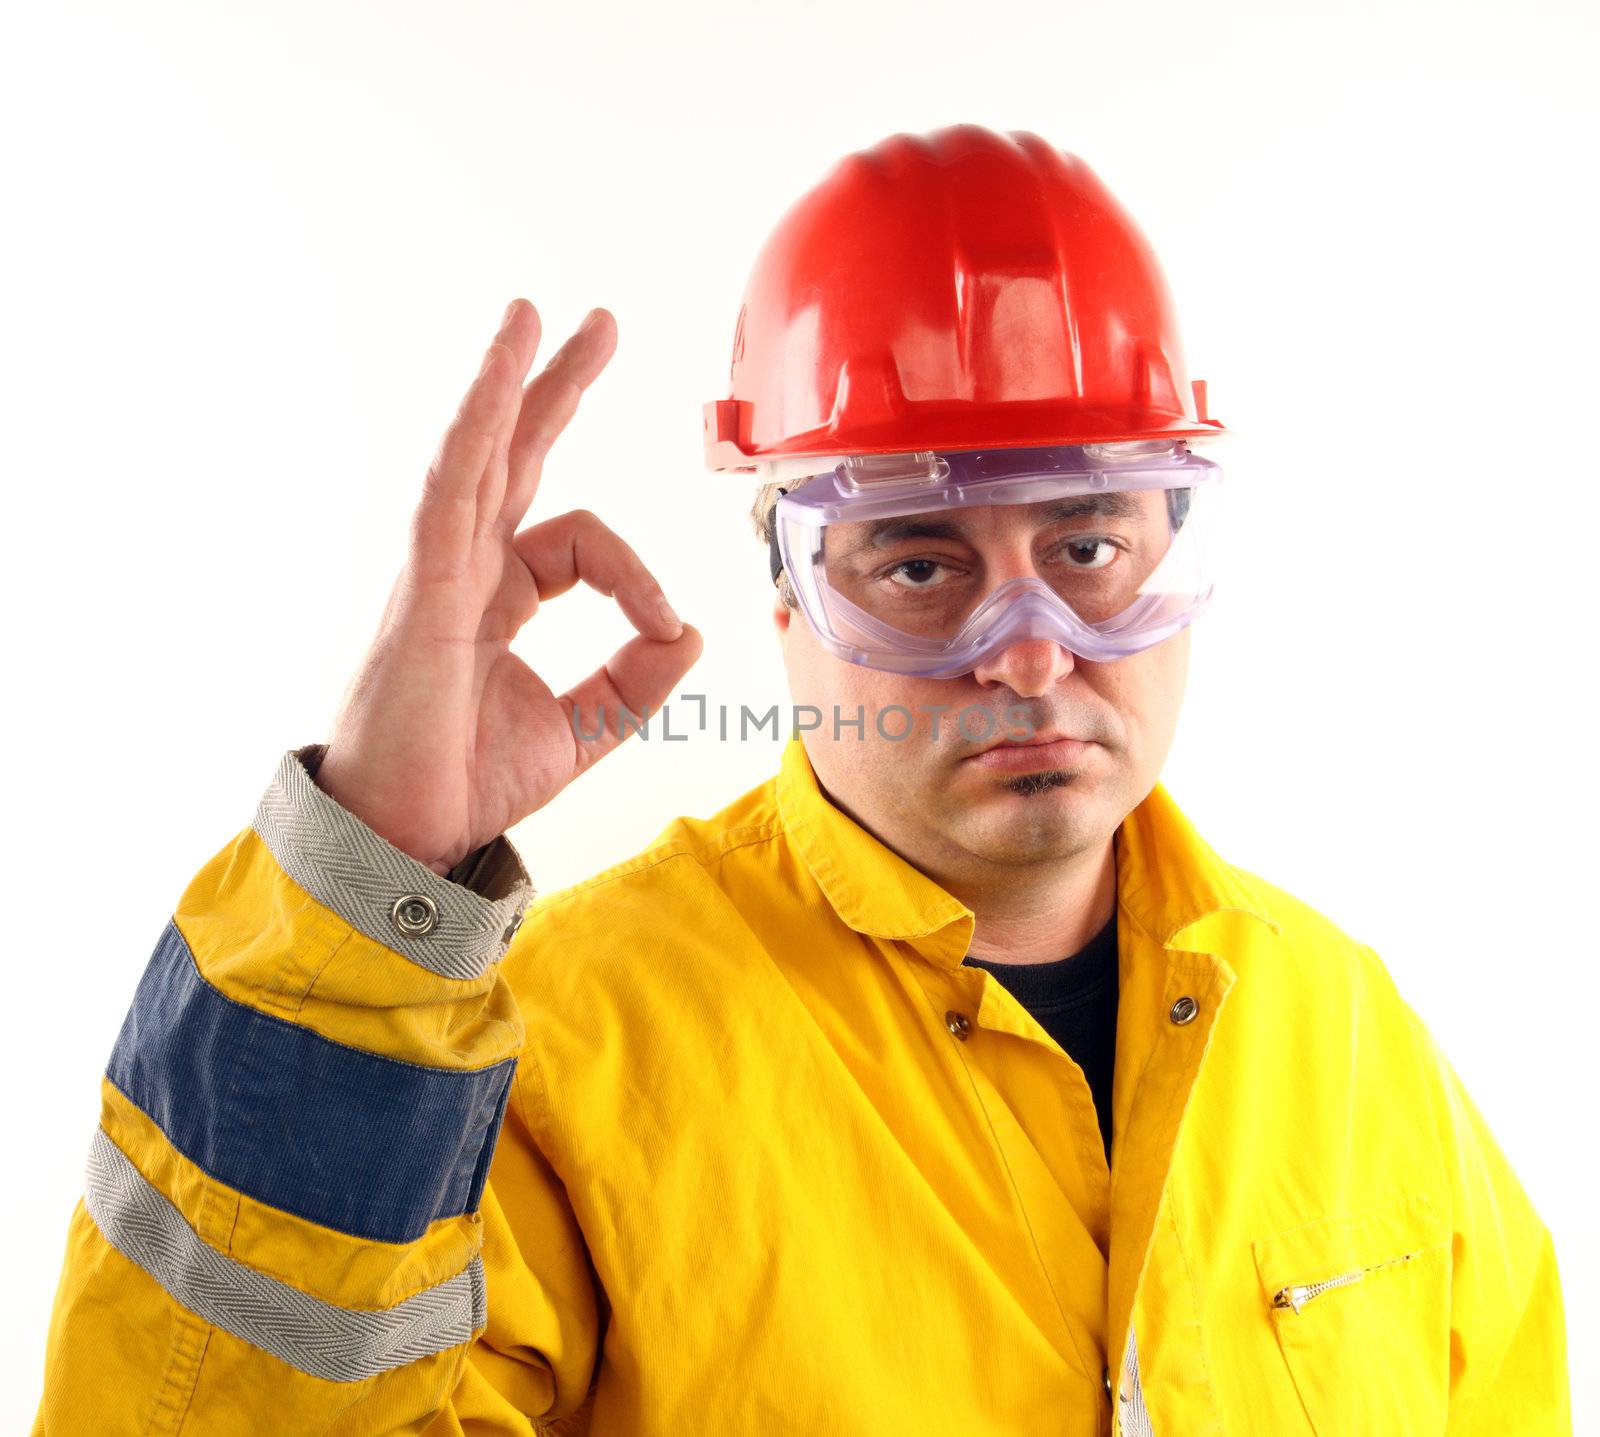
[
  {"x": 1135, "y": 1416},
  {"x": 347, "y": 867},
  {"x": 342, "y": 1344}
]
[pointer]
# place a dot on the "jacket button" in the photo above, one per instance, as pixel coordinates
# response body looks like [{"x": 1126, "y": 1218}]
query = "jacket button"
[
  {"x": 958, "y": 1024},
  {"x": 1183, "y": 1010},
  {"x": 1105, "y": 1380},
  {"x": 415, "y": 915}
]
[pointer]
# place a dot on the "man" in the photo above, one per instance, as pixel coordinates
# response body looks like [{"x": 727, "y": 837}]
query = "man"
[{"x": 946, "y": 1082}]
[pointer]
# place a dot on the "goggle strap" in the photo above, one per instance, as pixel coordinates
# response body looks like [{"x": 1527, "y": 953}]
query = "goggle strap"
[{"x": 775, "y": 555}]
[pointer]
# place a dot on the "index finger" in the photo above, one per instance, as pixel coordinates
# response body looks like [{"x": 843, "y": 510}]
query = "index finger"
[{"x": 447, "y": 516}]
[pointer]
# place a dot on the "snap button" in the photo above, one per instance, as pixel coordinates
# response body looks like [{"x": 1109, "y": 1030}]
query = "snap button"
[
  {"x": 415, "y": 915},
  {"x": 511, "y": 928},
  {"x": 958, "y": 1024},
  {"x": 1183, "y": 1010},
  {"x": 1105, "y": 1379}
]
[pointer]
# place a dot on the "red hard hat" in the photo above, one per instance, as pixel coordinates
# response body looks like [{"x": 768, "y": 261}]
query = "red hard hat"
[{"x": 962, "y": 289}]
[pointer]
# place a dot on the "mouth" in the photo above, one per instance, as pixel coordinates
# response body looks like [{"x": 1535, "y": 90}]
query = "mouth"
[{"x": 1044, "y": 750}]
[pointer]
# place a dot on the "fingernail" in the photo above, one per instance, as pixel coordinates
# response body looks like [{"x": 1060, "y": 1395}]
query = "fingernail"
[
  {"x": 589, "y": 320},
  {"x": 511, "y": 309},
  {"x": 488, "y": 359},
  {"x": 671, "y": 619}
]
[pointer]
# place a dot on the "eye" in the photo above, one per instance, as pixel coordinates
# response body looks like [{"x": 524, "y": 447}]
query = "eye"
[
  {"x": 1090, "y": 551},
  {"x": 916, "y": 570}
]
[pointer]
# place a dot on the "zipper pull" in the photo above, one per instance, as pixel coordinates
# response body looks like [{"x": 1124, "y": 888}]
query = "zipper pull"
[{"x": 1299, "y": 1295}]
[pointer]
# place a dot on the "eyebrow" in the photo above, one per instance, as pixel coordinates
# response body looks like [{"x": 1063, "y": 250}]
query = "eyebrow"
[{"x": 877, "y": 534}]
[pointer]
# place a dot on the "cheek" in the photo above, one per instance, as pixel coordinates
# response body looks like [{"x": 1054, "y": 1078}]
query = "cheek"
[
  {"x": 1149, "y": 691},
  {"x": 836, "y": 687},
  {"x": 811, "y": 668},
  {"x": 1145, "y": 689},
  {"x": 884, "y": 722}
]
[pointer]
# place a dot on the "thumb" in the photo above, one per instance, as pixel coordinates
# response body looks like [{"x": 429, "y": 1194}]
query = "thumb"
[{"x": 633, "y": 682}]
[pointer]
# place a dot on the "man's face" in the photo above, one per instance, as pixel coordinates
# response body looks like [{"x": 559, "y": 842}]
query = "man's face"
[{"x": 931, "y": 797}]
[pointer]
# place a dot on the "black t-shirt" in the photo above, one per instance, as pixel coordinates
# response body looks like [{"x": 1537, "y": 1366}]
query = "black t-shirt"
[{"x": 1075, "y": 1001}]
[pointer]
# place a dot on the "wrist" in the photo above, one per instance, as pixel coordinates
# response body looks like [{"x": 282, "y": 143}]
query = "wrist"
[{"x": 313, "y": 756}]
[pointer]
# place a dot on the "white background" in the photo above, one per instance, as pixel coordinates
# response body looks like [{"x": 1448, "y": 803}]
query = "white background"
[{"x": 254, "y": 254}]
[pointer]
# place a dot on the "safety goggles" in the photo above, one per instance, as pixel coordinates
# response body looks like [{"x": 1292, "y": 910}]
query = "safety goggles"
[{"x": 928, "y": 563}]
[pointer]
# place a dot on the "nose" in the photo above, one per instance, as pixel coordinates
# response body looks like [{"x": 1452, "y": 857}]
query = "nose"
[{"x": 1029, "y": 667}]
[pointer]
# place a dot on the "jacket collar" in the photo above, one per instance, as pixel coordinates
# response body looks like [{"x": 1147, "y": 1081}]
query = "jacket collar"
[{"x": 1168, "y": 876}]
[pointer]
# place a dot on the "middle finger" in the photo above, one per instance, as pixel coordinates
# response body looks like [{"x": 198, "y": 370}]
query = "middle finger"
[{"x": 549, "y": 401}]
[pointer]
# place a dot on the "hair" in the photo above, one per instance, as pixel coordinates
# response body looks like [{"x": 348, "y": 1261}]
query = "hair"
[{"x": 762, "y": 516}]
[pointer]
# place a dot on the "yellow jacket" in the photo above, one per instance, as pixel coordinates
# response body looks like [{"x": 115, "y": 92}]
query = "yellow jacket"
[{"x": 768, "y": 1158}]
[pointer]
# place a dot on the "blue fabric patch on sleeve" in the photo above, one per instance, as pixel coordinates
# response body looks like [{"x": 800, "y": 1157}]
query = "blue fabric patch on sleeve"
[{"x": 361, "y": 1143}]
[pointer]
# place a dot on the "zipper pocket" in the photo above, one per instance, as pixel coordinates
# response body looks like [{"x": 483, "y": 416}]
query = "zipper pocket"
[{"x": 1297, "y": 1295}]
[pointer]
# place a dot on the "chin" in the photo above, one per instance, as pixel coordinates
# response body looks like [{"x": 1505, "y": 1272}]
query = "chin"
[{"x": 1044, "y": 814}]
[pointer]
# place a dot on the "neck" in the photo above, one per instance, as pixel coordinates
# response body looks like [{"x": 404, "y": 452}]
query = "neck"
[
  {"x": 1029, "y": 913},
  {"x": 1038, "y": 914}
]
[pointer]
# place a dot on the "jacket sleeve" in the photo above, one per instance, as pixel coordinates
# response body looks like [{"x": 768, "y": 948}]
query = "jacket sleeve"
[
  {"x": 1508, "y": 1357},
  {"x": 318, "y": 1200}
]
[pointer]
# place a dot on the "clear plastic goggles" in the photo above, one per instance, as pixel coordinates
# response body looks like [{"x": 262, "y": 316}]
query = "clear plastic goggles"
[{"x": 928, "y": 563}]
